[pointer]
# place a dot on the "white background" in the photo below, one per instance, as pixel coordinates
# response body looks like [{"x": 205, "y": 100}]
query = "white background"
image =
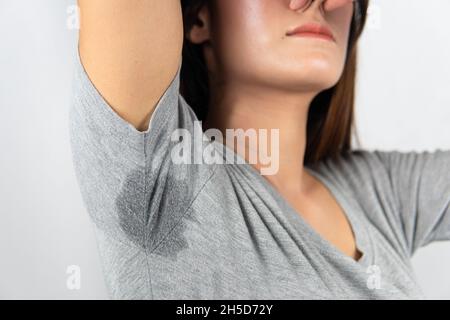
[{"x": 403, "y": 103}]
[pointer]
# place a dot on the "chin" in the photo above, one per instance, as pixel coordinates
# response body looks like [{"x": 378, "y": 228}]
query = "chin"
[
  {"x": 324, "y": 71},
  {"x": 306, "y": 73},
  {"x": 313, "y": 70},
  {"x": 315, "y": 78}
]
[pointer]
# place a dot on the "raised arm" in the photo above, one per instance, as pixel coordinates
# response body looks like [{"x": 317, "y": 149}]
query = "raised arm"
[{"x": 131, "y": 50}]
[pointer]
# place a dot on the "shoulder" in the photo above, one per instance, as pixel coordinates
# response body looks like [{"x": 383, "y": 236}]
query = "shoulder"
[{"x": 355, "y": 164}]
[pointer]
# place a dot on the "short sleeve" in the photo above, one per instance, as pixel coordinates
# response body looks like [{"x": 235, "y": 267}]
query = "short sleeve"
[
  {"x": 130, "y": 186},
  {"x": 420, "y": 183}
]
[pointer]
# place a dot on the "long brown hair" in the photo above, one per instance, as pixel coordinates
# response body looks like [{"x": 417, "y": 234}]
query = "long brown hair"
[{"x": 331, "y": 114}]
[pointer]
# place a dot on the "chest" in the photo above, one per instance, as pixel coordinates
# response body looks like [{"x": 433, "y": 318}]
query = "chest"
[{"x": 325, "y": 216}]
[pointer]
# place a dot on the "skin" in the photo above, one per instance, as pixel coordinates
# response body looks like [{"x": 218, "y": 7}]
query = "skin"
[
  {"x": 259, "y": 77},
  {"x": 117, "y": 48}
]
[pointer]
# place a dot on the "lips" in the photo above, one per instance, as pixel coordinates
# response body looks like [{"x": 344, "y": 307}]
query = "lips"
[{"x": 312, "y": 30}]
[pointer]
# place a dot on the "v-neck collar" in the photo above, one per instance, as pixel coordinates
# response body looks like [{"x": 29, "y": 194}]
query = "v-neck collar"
[
  {"x": 346, "y": 201},
  {"x": 350, "y": 207}
]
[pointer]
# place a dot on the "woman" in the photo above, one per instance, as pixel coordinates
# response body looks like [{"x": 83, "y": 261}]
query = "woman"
[{"x": 328, "y": 222}]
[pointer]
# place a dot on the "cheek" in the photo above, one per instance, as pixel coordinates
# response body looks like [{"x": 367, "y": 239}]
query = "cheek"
[
  {"x": 340, "y": 20},
  {"x": 247, "y": 31}
]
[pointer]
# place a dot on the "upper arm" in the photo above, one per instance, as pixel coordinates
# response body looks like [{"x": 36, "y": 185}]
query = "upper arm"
[{"x": 131, "y": 50}]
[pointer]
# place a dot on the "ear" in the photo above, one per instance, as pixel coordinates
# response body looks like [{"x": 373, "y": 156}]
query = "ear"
[{"x": 200, "y": 31}]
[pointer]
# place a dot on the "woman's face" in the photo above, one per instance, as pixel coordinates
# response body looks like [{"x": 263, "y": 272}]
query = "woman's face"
[{"x": 248, "y": 43}]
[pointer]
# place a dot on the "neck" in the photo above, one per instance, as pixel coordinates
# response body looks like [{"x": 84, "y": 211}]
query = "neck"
[{"x": 250, "y": 108}]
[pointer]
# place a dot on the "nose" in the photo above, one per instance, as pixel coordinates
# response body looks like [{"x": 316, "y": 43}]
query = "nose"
[
  {"x": 328, "y": 5},
  {"x": 304, "y": 4},
  {"x": 335, "y": 4}
]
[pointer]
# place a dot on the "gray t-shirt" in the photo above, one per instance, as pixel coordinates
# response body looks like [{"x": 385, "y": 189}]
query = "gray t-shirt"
[{"x": 222, "y": 231}]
